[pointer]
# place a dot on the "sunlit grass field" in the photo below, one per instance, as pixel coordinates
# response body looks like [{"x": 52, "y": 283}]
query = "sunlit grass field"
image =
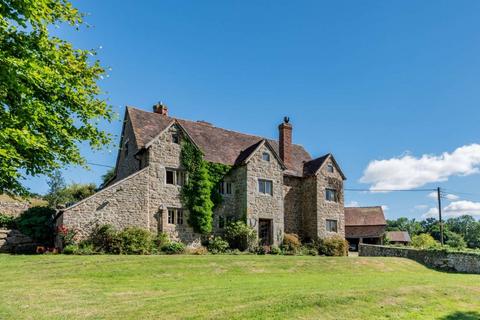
[{"x": 231, "y": 287}]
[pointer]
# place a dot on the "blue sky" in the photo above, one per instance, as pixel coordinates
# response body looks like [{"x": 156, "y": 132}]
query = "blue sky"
[{"x": 365, "y": 80}]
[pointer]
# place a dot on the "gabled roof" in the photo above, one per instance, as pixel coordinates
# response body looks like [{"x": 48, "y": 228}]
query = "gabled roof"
[
  {"x": 218, "y": 145},
  {"x": 311, "y": 167},
  {"x": 398, "y": 236},
  {"x": 364, "y": 216}
]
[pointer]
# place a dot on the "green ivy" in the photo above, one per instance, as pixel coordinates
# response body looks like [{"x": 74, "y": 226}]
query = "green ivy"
[{"x": 200, "y": 194}]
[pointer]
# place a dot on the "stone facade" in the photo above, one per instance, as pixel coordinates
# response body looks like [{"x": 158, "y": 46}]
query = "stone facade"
[{"x": 140, "y": 195}]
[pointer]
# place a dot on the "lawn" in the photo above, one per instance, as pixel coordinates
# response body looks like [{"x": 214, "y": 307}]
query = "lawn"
[{"x": 231, "y": 287}]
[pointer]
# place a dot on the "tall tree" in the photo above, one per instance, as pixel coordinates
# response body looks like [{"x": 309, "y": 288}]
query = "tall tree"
[{"x": 49, "y": 97}]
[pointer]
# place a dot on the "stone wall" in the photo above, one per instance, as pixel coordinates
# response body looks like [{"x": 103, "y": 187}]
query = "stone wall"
[
  {"x": 127, "y": 164},
  {"x": 13, "y": 208},
  {"x": 436, "y": 259},
  {"x": 330, "y": 209},
  {"x": 293, "y": 204},
  {"x": 122, "y": 204},
  {"x": 13, "y": 241},
  {"x": 265, "y": 206},
  {"x": 164, "y": 154}
]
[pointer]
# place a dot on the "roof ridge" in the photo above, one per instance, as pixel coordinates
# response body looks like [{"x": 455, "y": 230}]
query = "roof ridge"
[{"x": 213, "y": 126}]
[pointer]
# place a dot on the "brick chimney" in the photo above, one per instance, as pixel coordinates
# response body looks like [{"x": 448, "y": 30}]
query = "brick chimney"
[
  {"x": 161, "y": 108},
  {"x": 285, "y": 142}
]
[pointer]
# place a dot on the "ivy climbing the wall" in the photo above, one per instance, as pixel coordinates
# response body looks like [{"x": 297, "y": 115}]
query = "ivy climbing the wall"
[{"x": 200, "y": 194}]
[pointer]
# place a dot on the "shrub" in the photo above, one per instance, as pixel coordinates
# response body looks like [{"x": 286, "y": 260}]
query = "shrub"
[
  {"x": 105, "y": 239},
  {"x": 173, "y": 247},
  {"x": 134, "y": 240},
  {"x": 198, "y": 251},
  {"x": 70, "y": 249},
  {"x": 424, "y": 241},
  {"x": 275, "y": 250},
  {"x": 85, "y": 248},
  {"x": 217, "y": 245},
  {"x": 37, "y": 223},
  {"x": 7, "y": 221},
  {"x": 291, "y": 243},
  {"x": 67, "y": 236},
  {"x": 334, "y": 246},
  {"x": 456, "y": 241},
  {"x": 240, "y": 236},
  {"x": 162, "y": 239}
]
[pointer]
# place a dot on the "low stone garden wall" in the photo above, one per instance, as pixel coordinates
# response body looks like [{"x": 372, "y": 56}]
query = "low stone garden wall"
[
  {"x": 463, "y": 262},
  {"x": 13, "y": 241}
]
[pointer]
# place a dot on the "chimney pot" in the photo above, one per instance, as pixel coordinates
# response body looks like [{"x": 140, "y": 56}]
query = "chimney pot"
[
  {"x": 160, "y": 108},
  {"x": 285, "y": 142}
]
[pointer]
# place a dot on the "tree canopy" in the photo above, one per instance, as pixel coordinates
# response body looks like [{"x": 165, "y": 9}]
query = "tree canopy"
[{"x": 49, "y": 96}]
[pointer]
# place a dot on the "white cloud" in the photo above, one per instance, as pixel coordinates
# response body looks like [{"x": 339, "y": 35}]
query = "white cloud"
[
  {"x": 406, "y": 172},
  {"x": 456, "y": 209},
  {"x": 385, "y": 208},
  {"x": 353, "y": 204},
  {"x": 449, "y": 196}
]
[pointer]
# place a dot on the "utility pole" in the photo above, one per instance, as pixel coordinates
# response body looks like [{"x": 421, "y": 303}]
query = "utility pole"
[{"x": 439, "y": 195}]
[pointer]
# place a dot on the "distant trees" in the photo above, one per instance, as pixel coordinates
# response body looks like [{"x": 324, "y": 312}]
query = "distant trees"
[
  {"x": 60, "y": 194},
  {"x": 459, "y": 232}
]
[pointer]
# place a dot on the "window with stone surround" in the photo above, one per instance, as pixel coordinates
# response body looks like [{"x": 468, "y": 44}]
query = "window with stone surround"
[
  {"x": 266, "y": 156},
  {"x": 176, "y": 138},
  {"x": 225, "y": 188},
  {"x": 265, "y": 186},
  {"x": 332, "y": 225},
  {"x": 331, "y": 195},
  {"x": 175, "y": 177},
  {"x": 175, "y": 216},
  {"x": 330, "y": 168}
]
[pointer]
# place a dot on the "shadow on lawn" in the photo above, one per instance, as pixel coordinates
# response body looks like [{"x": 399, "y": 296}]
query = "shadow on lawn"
[{"x": 470, "y": 315}]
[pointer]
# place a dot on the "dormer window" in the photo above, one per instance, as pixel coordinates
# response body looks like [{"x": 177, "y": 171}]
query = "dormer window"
[
  {"x": 266, "y": 156},
  {"x": 175, "y": 138},
  {"x": 330, "y": 168}
]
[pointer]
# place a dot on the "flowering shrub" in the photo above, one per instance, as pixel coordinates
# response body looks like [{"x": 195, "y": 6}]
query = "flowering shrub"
[{"x": 67, "y": 236}]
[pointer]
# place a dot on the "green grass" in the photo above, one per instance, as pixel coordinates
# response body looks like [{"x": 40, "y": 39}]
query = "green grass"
[{"x": 231, "y": 287}]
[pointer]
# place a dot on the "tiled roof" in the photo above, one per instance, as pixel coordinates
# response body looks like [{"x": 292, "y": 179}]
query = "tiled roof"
[
  {"x": 217, "y": 144},
  {"x": 364, "y": 231},
  {"x": 364, "y": 216},
  {"x": 398, "y": 236}
]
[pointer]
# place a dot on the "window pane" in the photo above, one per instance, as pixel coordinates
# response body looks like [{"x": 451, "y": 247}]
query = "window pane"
[
  {"x": 221, "y": 188},
  {"x": 180, "y": 178},
  {"x": 268, "y": 187},
  {"x": 266, "y": 156},
  {"x": 175, "y": 138},
  {"x": 179, "y": 216},
  {"x": 229, "y": 188},
  {"x": 331, "y": 225},
  {"x": 170, "y": 175},
  {"x": 330, "y": 168},
  {"x": 261, "y": 186},
  {"x": 330, "y": 195},
  {"x": 171, "y": 216}
]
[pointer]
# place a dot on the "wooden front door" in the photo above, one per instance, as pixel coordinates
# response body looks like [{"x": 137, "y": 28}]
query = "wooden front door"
[{"x": 265, "y": 231}]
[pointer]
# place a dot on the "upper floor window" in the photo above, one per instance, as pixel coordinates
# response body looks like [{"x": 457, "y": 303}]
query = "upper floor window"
[
  {"x": 225, "y": 187},
  {"x": 266, "y": 156},
  {"x": 175, "y": 216},
  {"x": 331, "y": 195},
  {"x": 265, "y": 186},
  {"x": 175, "y": 138},
  {"x": 176, "y": 177},
  {"x": 332, "y": 226},
  {"x": 330, "y": 168}
]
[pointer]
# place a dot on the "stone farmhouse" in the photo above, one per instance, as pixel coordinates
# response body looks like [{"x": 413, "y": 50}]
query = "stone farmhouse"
[{"x": 274, "y": 185}]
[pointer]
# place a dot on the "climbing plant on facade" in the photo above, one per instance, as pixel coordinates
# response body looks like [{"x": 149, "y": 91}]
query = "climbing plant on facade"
[{"x": 199, "y": 194}]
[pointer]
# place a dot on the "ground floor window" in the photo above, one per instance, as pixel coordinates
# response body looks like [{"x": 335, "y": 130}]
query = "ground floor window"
[
  {"x": 175, "y": 216},
  {"x": 332, "y": 225}
]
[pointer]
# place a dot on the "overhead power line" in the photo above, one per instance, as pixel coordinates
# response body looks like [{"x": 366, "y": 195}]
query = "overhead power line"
[
  {"x": 391, "y": 190},
  {"x": 99, "y": 165}
]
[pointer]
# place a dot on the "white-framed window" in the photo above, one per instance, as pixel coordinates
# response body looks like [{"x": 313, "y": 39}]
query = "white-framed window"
[
  {"x": 331, "y": 194},
  {"x": 330, "y": 168},
  {"x": 225, "y": 188},
  {"x": 175, "y": 177},
  {"x": 175, "y": 216},
  {"x": 266, "y": 156},
  {"x": 331, "y": 225},
  {"x": 265, "y": 186}
]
